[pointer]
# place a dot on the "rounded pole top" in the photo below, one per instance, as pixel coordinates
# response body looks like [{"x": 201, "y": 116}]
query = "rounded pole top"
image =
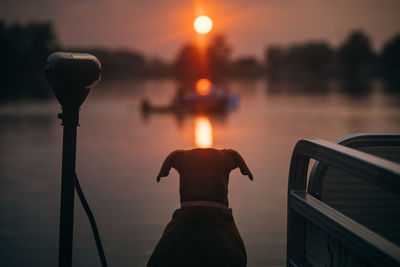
[{"x": 71, "y": 75}]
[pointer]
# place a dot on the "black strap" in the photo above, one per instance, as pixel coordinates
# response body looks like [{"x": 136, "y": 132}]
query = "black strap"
[{"x": 92, "y": 222}]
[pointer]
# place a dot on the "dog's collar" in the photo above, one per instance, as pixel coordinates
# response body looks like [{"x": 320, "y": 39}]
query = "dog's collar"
[{"x": 203, "y": 203}]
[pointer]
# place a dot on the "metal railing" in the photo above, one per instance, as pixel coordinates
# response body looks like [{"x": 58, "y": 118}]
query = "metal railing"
[
  {"x": 304, "y": 208},
  {"x": 353, "y": 141}
]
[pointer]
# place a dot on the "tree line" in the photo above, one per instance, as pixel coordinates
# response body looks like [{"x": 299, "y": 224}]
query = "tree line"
[
  {"x": 24, "y": 49},
  {"x": 353, "y": 59}
]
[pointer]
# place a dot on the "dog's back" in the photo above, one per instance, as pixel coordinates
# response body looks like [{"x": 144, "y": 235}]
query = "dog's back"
[{"x": 200, "y": 236}]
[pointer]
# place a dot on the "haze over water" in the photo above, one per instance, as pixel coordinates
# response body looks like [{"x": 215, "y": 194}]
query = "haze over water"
[{"x": 120, "y": 152}]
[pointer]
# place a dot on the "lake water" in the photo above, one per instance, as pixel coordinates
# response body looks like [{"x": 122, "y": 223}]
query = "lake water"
[{"x": 120, "y": 152}]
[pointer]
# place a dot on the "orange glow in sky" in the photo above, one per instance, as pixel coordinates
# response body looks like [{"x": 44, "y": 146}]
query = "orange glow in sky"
[
  {"x": 203, "y": 24},
  {"x": 203, "y": 86},
  {"x": 203, "y": 132},
  {"x": 161, "y": 28}
]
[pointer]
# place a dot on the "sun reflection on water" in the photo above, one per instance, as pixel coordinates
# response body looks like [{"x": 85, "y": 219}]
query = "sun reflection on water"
[
  {"x": 203, "y": 132},
  {"x": 203, "y": 86}
]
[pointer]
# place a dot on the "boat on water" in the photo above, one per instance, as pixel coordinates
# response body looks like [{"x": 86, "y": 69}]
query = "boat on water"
[{"x": 206, "y": 98}]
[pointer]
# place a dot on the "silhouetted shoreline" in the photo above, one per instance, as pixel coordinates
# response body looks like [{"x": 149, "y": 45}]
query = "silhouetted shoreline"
[{"x": 25, "y": 47}]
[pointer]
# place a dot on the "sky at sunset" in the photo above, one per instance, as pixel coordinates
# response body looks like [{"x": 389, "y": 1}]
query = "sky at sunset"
[{"x": 161, "y": 27}]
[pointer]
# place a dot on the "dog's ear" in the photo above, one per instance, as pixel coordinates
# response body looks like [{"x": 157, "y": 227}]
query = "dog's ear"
[
  {"x": 238, "y": 161},
  {"x": 169, "y": 162}
]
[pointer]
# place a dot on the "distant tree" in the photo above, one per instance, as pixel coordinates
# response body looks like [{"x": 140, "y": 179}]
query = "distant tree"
[
  {"x": 310, "y": 59},
  {"x": 218, "y": 56},
  {"x": 355, "y": 55},
  {"x": 188, "y": 63},
  {"x": 390, "y": 58},
  {"x": 313, "y": 57},
  {"x": 23, "y": 51},
  {"x": 127, "y": 64},
  {"x": 274, "y": 57},
  {"x": 158, "y": 67},
  {"x": 247, "y": 61},
  {"x": 120, "y": 63},
  {"x": 195, "y": 62},
  {"x": 247, "y": 66}
]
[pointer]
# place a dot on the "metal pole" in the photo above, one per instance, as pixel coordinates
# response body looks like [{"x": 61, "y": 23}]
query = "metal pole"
[
  {"x": 70, "y": 119},
  {"x": 71, "y": 75}
]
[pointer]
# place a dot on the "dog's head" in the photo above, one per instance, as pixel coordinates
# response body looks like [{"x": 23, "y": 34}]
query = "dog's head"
[{"x": 204, "y": 173}]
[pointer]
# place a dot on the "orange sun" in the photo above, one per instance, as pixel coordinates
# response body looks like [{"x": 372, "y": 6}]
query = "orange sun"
[{"x": 203, "y": 24}]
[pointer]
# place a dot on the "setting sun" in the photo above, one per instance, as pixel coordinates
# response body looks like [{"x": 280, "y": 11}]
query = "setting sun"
[{"x": 203, "y": 24}]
